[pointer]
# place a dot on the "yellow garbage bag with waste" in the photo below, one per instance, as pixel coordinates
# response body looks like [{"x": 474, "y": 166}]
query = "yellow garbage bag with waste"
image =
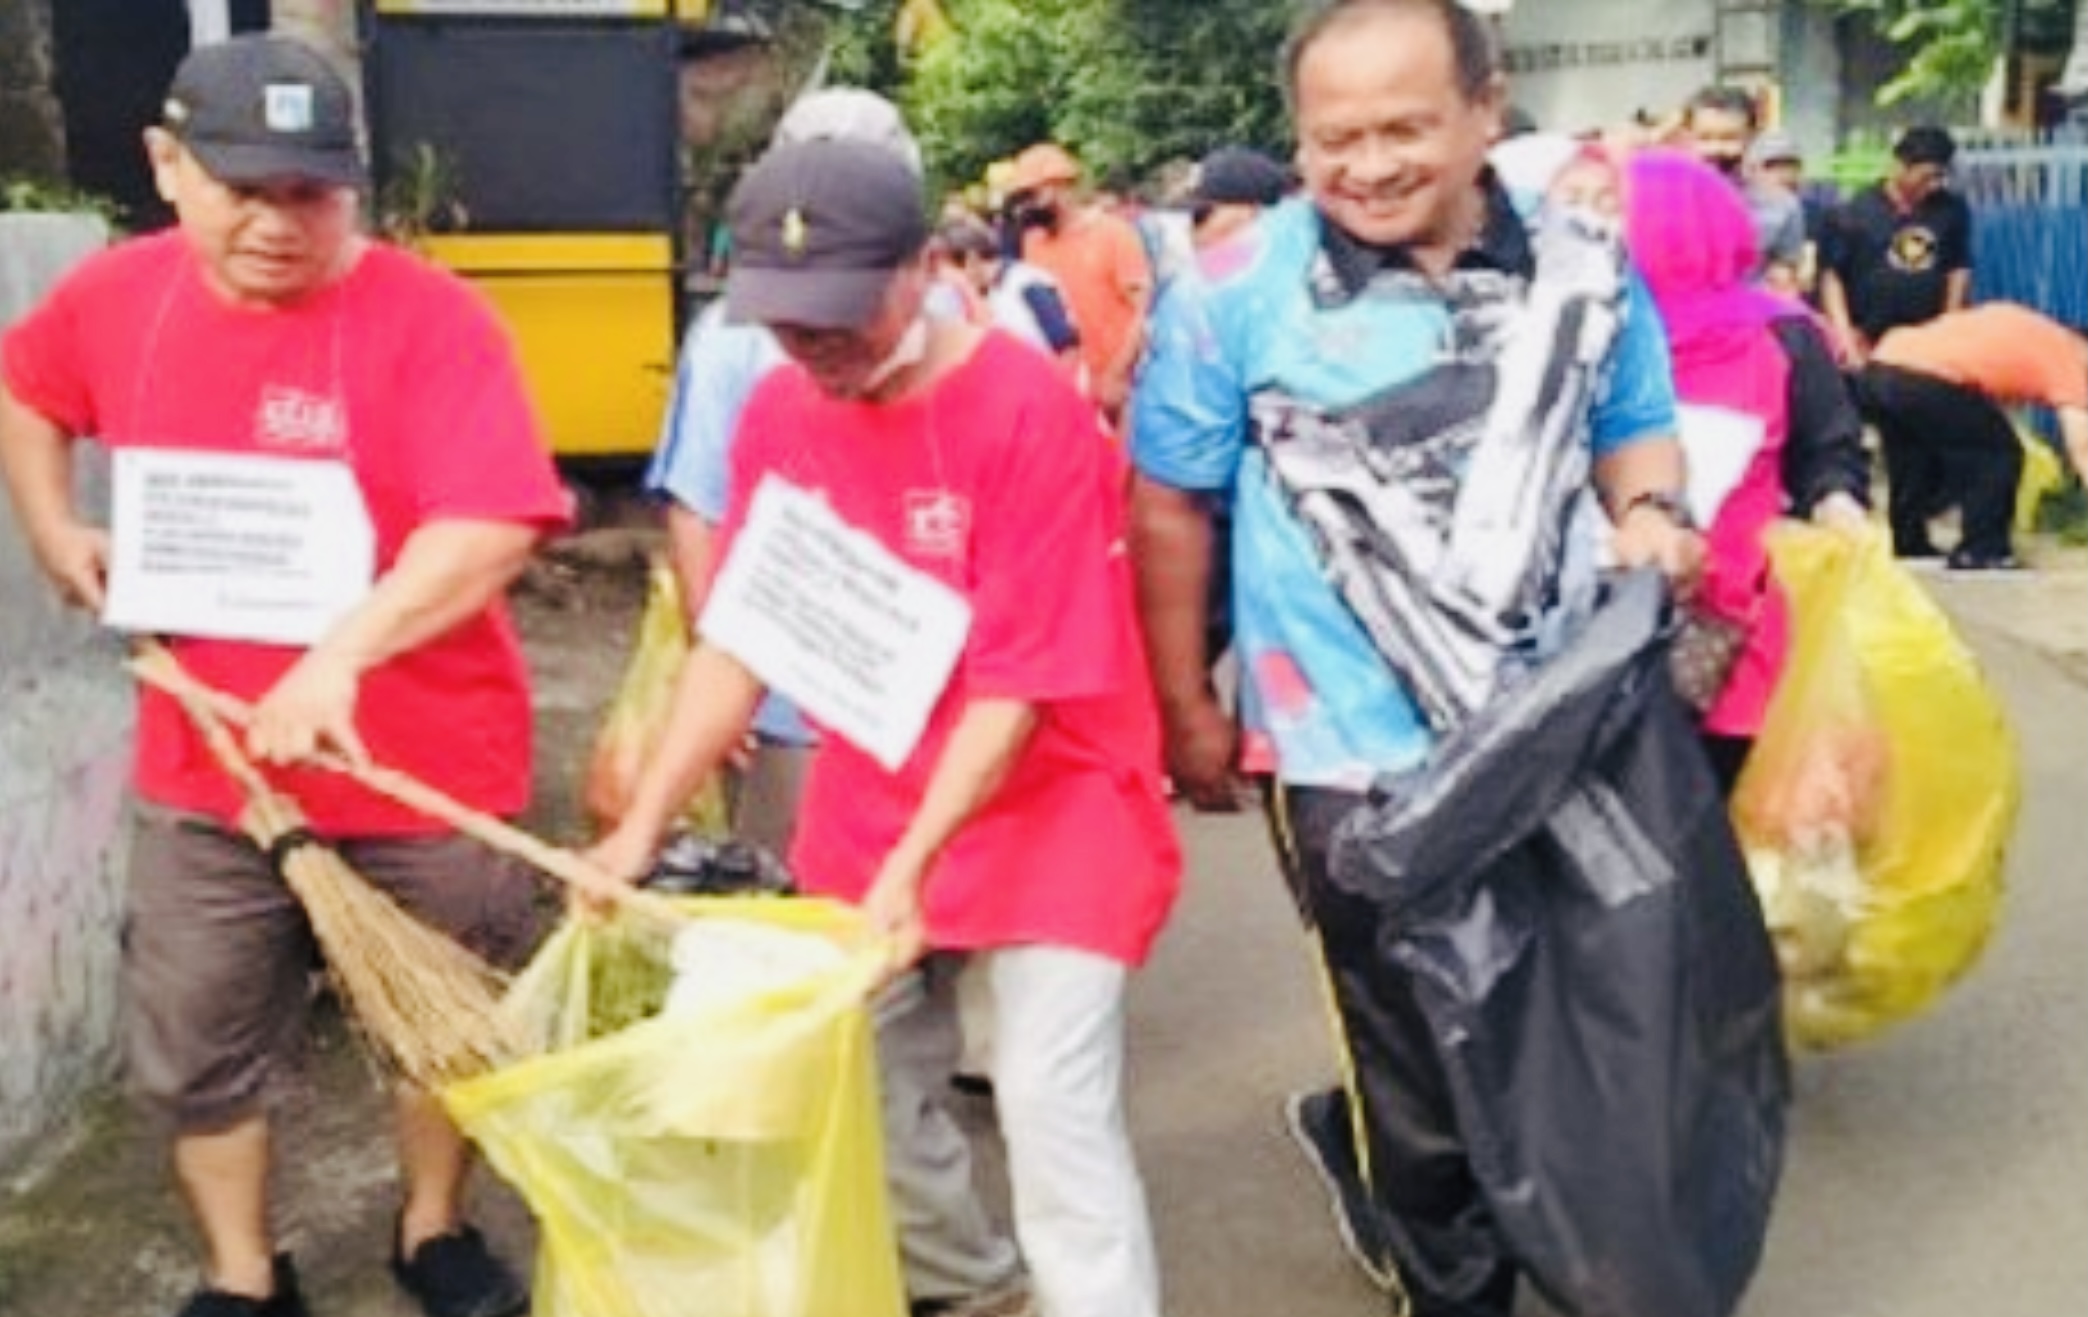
[
  {"x": 632, "y": 727},
  {"x": 698, "y": 1129},
  {"x": 2043, "y": 475},
  {"x": 1880, "y": 798}
]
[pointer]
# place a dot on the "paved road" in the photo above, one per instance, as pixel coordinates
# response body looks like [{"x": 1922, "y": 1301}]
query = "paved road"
[{"x": 1939, "y": 1172}]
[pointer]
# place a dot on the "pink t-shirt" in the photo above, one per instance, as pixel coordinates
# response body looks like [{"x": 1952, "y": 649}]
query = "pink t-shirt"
[
  {"x": 399, "y": 370},
  {"x": 1077, "y": 848}
]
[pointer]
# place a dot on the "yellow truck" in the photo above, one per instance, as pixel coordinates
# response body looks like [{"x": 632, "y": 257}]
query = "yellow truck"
[{"x": 535, "y": 147}]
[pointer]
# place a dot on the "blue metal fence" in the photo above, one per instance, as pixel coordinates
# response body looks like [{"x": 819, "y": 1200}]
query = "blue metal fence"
[{"x": 2030, "y": 202}]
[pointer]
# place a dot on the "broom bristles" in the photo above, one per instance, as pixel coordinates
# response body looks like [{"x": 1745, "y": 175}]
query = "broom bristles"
[{"x": 427, "y": 1006}]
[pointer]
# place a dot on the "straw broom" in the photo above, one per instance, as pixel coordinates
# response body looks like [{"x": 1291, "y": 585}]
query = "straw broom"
[
  {"x": 429, "y": 1008},
  {"x": 154, "y": 665}
]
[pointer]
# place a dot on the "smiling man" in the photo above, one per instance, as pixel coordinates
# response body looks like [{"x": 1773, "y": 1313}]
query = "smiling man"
[
  {"x": 265, "y": 355},
  {"x": 1369, "y": 379}
]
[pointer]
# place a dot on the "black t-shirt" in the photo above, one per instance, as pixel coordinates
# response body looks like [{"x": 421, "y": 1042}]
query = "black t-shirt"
[{"x": 1895, "y": 266}]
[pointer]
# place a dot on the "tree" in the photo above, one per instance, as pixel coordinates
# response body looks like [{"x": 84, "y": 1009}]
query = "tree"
[
  {"x": 32, "y": 131},
  {"x": 1953, "y": 46},
  {"x": 1126, "y": 84}
]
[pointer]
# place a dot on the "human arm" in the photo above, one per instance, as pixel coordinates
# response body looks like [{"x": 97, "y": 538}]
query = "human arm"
[
  {"x": 692, "y": 552},
  {"x": 1957, "y": 291},
  {"x": 714, "y": 702},
  {"x": 1134, "y": 283},
  {"x": 1188, "y": 428},
  {"x": 1641, "y": 486},
  {"x": 1641, "y": 473},
  {"x": 988, "y": 739},
  {"x": 1826, "y": 471},
  {"x": 36, "y": 459},
  {"x": 720, "y": 366},
  {"x": 1957, "y": 256},
  {"x": 447, "y": 572},
  {"x": 1171, "y": 549},
  {"x": 1834, "y": 303}
]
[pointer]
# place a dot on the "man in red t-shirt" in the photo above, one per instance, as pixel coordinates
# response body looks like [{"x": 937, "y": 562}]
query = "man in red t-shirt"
[
  {"x": 924, "y": 549},
  {"x": 264, "y": 345}
]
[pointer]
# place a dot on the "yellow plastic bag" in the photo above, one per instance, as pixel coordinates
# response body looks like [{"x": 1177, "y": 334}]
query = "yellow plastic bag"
[
  {"x": 637, "y": 715},
  {"x": 2043, "y": 474},
  {"x": 722, "y": 1163},
  {"x": 1880, "y": 797}
]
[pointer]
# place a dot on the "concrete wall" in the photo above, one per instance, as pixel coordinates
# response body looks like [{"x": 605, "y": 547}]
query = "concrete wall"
[
  {"x": 64, "y": 758},
  {"x": 1596, "y": 63}
]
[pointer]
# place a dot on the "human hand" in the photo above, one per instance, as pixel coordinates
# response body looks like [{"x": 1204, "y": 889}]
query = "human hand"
[
  {"x": 1842, "y": 514},
  {"x": 1203, "y": 749},
  {"x": 622, "y": 858},
  {"x": 892, "y": 913},
  {"x": 1851, "y": 346},
  {"x": 309, "y": 711},
  {"x": 1649, "y": 537},
  {"x": 76, "y": 558}
]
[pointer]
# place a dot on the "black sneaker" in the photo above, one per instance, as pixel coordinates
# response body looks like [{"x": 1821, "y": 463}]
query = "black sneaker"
[
  {"x": 456, "y": 1275},
  {"x": 285, "y": 1302},
  {"x": 1012, "y": 1299},
  {"x": 1961, "y": 561},
  {"x": 1320, "y": 1123}
]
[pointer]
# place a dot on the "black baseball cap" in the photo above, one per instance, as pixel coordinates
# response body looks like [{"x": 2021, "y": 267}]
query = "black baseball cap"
[
  {"x": 818, "y": 229},
  {"x": 259, "y": 108},
  {"x": 1238, "y": 176}
]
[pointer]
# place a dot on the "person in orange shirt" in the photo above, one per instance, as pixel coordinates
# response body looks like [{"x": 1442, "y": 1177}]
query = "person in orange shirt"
[
  {"x": 1936, "y": 392},
  {"x": 1098, "y": 260}
]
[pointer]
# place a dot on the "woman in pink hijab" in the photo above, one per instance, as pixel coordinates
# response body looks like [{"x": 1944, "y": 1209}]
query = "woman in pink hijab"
[{"x": 1767, "y": 421}]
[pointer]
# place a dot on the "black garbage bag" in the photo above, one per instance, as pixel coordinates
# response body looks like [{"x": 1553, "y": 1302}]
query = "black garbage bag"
[{"x": 1564, "y": 886}]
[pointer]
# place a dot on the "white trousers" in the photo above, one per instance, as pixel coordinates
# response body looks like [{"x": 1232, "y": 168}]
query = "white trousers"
[{"x": 1056, "y": 1057}]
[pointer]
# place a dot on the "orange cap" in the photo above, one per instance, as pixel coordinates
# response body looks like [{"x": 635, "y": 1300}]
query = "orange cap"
[{"x": 1046, "y": 162}]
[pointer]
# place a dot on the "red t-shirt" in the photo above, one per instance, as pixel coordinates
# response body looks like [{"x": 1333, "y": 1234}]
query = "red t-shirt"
[
  {"x": 400, "y": 371},
  {"x": 1076, "y": 849}
]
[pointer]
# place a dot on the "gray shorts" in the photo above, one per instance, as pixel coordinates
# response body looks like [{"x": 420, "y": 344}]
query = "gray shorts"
[{"x": 217, "y": 953}]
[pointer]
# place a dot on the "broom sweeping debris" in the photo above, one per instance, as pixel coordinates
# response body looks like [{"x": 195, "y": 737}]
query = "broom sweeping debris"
[{"x": 428, "y": 1007}]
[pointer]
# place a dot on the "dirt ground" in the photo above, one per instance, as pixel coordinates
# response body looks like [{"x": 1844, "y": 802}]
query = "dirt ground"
[{"x": 95, "y": 1230}]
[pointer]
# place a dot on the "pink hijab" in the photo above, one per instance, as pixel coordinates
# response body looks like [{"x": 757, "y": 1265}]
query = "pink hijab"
[{"x": 1693, "y": 241}]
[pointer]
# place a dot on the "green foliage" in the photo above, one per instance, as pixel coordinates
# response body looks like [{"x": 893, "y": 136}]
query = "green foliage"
[
  {"x": 21, "y": 193},
  {"x": 1951, "y": 45},
  {"x": 420, "y": 198},
  {"x": 1125, "y": 84}
]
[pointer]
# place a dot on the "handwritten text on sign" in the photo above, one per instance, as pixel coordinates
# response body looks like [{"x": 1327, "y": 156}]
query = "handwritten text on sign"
[{"x": 861, "y": 640}]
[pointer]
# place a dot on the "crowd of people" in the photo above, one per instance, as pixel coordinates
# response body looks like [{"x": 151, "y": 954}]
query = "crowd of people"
[{"x": 1277, "y": 420}]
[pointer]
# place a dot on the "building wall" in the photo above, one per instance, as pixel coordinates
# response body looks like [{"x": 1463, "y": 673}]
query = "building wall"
[
  {"x": 1581, "y": 64},
  {"x": 64, "y": 756}
]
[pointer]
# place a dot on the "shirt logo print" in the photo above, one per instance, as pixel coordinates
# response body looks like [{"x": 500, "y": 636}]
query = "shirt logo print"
[
  {"x": 1913, "y": 250},
  {"x": 304, "y": 422},
  {"x": 938, "y": 523}
]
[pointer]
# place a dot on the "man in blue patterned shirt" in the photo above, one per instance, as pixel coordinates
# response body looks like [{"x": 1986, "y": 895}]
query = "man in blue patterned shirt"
[{"x": 1432, "y": 408}]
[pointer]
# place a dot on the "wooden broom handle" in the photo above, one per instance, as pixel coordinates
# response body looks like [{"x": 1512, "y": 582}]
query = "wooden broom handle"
[{"x": 155, "y": 665}]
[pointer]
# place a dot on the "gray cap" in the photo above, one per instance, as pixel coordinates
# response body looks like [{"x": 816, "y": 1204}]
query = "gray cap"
[
  {"x": 1773, "y": 148},
  {"x": 260, "y": 108},
  {"x": 848, "y": 114},
  {"x": 818, "y": 229}
]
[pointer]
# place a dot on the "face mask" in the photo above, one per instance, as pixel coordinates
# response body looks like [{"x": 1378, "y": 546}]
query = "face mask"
[
  {"x": 910, "y": 351},
  {"x": 1038, "y": 217}
]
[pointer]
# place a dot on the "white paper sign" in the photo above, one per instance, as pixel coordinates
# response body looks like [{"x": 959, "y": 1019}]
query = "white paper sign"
[
  {"x": 1719, "y": 444},
  {"x": 266, "y": 549},
  {"x": 825, "y": 614}
]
